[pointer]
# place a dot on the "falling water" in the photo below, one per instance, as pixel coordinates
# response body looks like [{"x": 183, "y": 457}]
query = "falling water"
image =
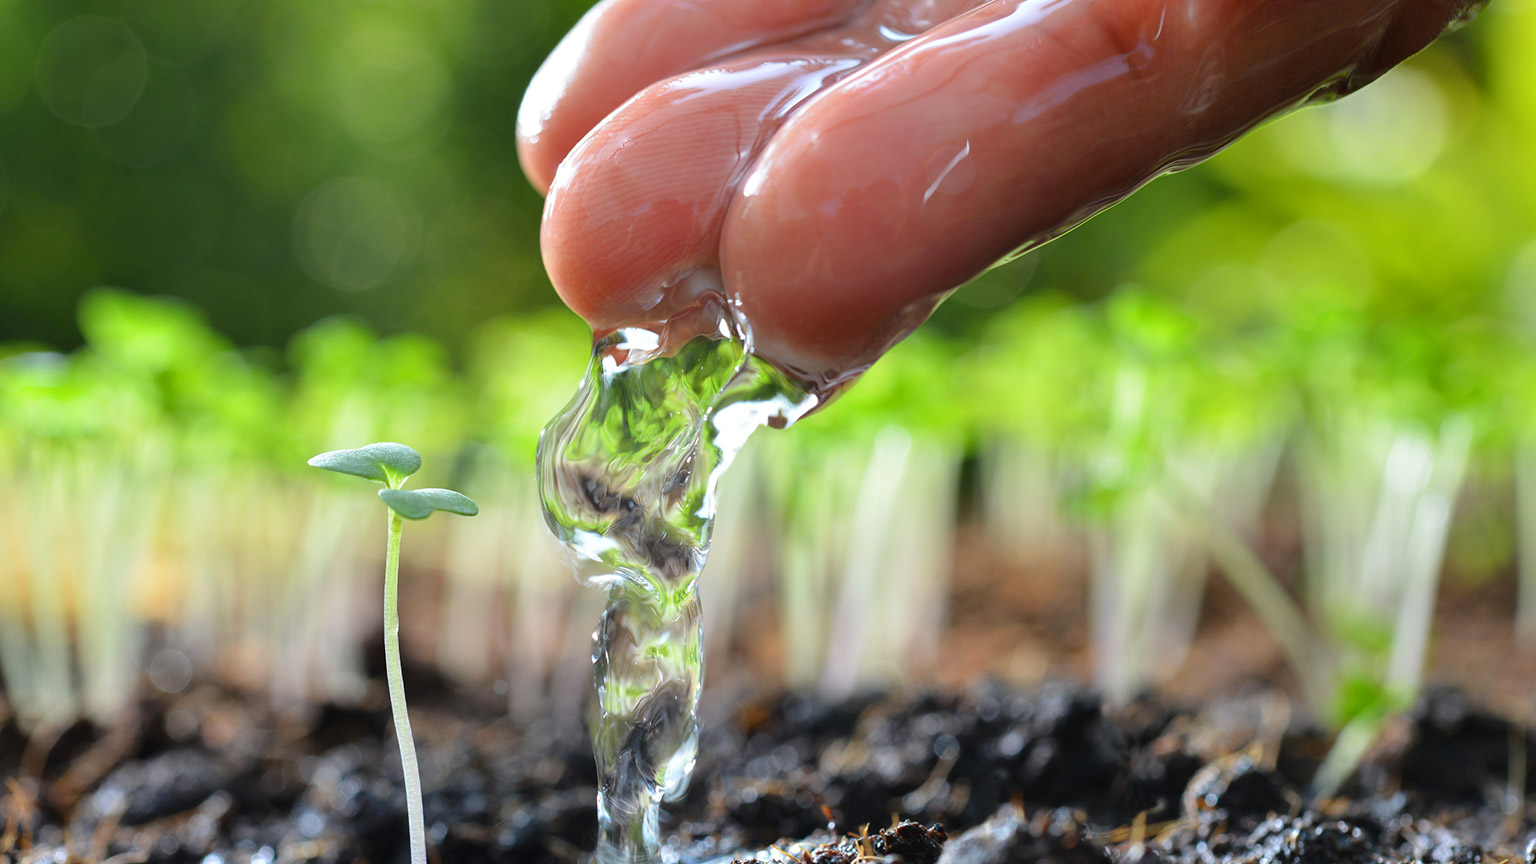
[{"x": 627, "y": 474}]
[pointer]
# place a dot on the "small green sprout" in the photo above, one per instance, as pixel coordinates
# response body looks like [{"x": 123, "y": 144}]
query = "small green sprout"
[{"x": 392, "y": 464}]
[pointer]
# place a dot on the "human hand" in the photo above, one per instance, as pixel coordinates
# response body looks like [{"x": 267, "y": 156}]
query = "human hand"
[{"x": 837, "y": 166}]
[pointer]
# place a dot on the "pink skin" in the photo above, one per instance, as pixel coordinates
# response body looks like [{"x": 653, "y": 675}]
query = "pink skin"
[
  {"x": 622, "y": 46},
  {"x": 838, "y": 178}
]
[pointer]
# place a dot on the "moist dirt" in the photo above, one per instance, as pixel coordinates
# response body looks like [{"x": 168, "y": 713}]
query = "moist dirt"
[{"x": 993, "y": 775}]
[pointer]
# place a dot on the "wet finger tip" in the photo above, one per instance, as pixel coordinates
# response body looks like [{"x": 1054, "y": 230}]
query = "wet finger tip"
[
  {"x": 821, "y": 290},
  {"x": 803, "y": 316},
  {"x": 537, "y": 164},
  {"x": 613, "y": 250}
]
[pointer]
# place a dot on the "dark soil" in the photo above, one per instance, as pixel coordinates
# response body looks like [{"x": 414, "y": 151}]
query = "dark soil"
[{"x": 993, "y": 776}]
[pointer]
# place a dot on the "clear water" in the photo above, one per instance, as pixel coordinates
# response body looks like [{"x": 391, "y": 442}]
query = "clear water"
[{"x": 627, "y": 474}]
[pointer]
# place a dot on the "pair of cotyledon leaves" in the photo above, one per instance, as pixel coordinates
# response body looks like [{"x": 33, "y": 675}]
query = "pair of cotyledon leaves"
[{"x": 390, "y": 463}]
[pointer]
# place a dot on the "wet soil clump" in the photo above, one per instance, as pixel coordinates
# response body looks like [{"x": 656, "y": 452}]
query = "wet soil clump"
[
  {"x": 996, "y": 775},
  {"x": 905, "y": 841}
]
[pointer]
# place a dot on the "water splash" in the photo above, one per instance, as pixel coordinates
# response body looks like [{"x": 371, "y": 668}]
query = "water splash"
[{"x": 627, "y": 476}]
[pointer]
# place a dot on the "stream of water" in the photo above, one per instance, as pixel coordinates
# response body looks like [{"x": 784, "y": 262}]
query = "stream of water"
[{"x": 627, "y": 474}]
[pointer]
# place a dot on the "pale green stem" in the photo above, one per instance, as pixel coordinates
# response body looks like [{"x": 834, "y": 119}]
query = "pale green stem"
[
  {"x": 1344, "y": 756},
  {"x": 1525, "y": 513},
  {"x": 409, "y": 771},
  {"x": 1259, "y": 587}
]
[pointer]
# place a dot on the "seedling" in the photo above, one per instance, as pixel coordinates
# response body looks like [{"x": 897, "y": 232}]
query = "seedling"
[{"x": 392, "y": 464}]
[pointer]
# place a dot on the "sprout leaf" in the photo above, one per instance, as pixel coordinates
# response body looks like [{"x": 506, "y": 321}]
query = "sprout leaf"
[
  {"x": 419, "y": 503},
  {"x": 386, "y": 462}
]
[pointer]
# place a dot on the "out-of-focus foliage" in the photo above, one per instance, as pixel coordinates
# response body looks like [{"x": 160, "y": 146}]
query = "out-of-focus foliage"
[
  {"x": 272, "y": 161},
  {"x": 152, "y": 369}
]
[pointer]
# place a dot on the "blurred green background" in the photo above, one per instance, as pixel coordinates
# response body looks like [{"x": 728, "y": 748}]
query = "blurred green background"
[
  {"x": 272, "y": 162},
  {"x": 1323, "y": 333}
]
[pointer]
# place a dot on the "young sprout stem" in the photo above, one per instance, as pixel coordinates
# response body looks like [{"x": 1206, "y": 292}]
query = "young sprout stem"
[
  {"x": 409, "y": 771},
  {"x": 391, "y": 464},
  {"x": 1262, "y": 590},
  {"x": 1525, "y": 511},
  {"x": 1348, "y": 749}
]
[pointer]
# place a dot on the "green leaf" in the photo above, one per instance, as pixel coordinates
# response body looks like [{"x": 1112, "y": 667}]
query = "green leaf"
[
  {"x": 420, "y": 503},
  {"x": 385, "y": 462}
]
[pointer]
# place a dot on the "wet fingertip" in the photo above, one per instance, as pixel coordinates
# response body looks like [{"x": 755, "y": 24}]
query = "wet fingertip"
[{"x": 537, "y": 167}]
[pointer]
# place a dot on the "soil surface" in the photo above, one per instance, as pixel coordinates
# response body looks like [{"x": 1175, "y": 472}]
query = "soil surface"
[{"x": 993, "y": 775}]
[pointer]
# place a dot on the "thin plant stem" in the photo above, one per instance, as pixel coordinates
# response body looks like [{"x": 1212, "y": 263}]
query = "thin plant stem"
[
  {"x": 1262, "y": 590},
  {"x": 1348, "y": 749},
  {"x": 408, "y": 767},
  {"x": 1525, "y": 512}
]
